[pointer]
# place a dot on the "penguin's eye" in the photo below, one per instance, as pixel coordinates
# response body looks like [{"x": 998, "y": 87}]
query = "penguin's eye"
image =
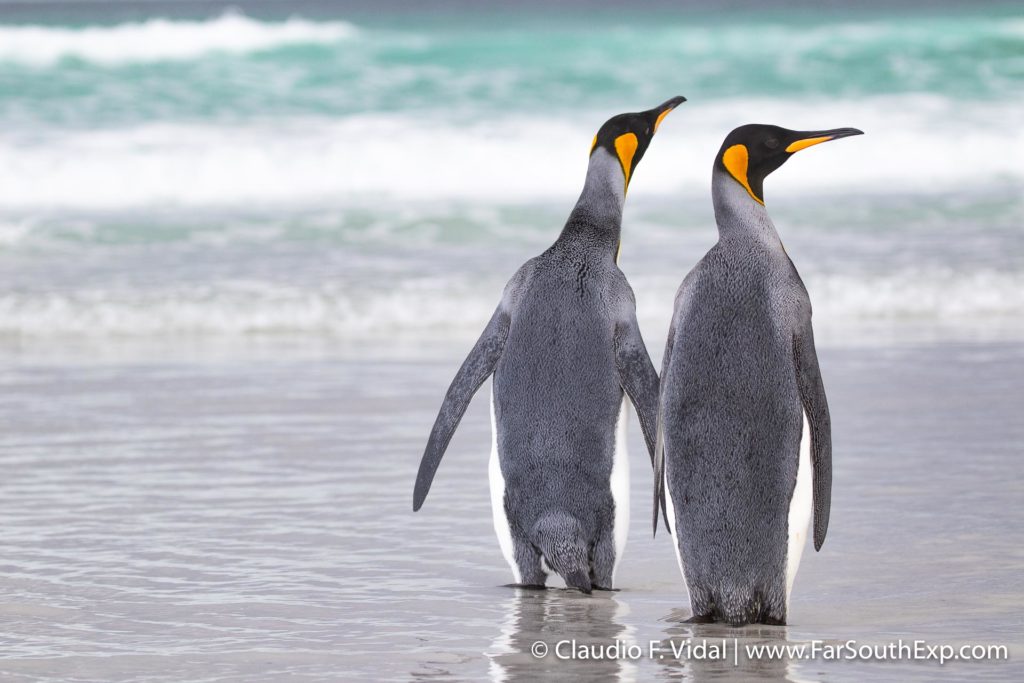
[{"x": 771, "y": 143}]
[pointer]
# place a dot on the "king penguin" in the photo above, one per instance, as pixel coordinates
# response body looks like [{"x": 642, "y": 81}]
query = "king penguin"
[
  {"x": 564, "y": 347},
  {"x": 744, "y": 446}
]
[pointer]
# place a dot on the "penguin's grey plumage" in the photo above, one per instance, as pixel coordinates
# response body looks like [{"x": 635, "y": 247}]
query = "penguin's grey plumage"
[
  {"x": 563, "y": 347},
  {"x": 739, "y": 378}
]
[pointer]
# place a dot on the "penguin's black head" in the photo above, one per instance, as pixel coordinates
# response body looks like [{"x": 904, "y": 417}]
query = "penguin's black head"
[
  {"x": 751, "y": 152},
  {"x": 627, "y": 136}
]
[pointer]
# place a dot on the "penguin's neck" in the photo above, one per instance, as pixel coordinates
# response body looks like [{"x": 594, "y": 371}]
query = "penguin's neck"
[
  {"x": 596, "y": 219},
  {"x": 740, "y": 217}
]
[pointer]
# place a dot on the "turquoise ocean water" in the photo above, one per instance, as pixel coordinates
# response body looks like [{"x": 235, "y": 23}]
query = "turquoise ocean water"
[{"x": 193, "y": 170}]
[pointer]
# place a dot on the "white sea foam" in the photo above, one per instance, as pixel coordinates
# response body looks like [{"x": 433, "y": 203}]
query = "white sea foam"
[
  {"x": 440, "y": 308},
  {"x": 912, "y": 143},
  {"x": 156, "y": 40},
  {"x": 239, "y": 308}
]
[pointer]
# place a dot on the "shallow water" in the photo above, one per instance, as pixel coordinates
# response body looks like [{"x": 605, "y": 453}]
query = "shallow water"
[{"x": 250, "y": 519}]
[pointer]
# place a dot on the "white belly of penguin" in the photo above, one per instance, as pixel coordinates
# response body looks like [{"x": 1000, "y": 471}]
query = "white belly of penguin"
[
  {"x": 501, "y": 526},
  {"x": 670, "y": 512},
  {"x": 799, "y": 509},
  {"x": 620, "y": 484}
]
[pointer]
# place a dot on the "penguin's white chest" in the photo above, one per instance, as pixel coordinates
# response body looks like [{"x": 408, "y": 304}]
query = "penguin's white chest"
[
  {"x": 670, "y": 512},
  {"x": 799, "y": 508},
  {"x": 497, "y": 481},
  {"x": 620, "y": 483}
]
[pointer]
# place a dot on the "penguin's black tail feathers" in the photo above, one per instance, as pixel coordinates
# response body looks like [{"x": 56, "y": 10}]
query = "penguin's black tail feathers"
[{"x": 560, "y": 540}]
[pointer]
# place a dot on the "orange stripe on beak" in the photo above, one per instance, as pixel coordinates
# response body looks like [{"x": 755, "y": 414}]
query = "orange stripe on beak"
[
  {"x": 661, "y": 117},
  {"x": 806, "y": 142}
]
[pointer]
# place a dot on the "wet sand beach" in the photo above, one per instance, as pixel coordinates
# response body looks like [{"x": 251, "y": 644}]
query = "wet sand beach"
[{"x": 250, "y": 519}]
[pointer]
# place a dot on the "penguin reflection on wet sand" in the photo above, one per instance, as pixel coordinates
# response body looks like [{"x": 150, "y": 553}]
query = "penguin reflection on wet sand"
[
  {"x": 563, "y": 346},
  {"x": 567, "y": 623},
  {"x": 728, "y": 654},
  {"x": 744, "y": 436}
]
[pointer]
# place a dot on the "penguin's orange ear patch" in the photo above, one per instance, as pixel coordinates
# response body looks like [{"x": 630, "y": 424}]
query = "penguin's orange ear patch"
[
  {"x": 593, "y": 145},
  {"x": 736, "y": 160},
  {"x": 625, "y": 147}
]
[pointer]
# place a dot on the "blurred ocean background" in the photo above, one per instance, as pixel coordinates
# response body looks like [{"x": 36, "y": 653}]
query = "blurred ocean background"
[
  {"x": 191, "y": 171},
  {"x": 243, "y": 249}
]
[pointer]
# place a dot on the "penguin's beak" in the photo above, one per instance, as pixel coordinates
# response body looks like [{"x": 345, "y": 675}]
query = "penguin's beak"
[
  {"x": 811, "y": 138},
  {"x": 662, "y": 110}
]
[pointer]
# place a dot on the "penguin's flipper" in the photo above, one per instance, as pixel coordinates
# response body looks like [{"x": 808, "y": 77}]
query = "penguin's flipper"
[
  {"x": 659, "y": 480},
  {"x": 640, "y": 382},
  {"x": 637, "y": 376},
  {"x": 659, "y": 441},
  {"x": 812, "y": 395},
  {"x": 477, "y": 367}
]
